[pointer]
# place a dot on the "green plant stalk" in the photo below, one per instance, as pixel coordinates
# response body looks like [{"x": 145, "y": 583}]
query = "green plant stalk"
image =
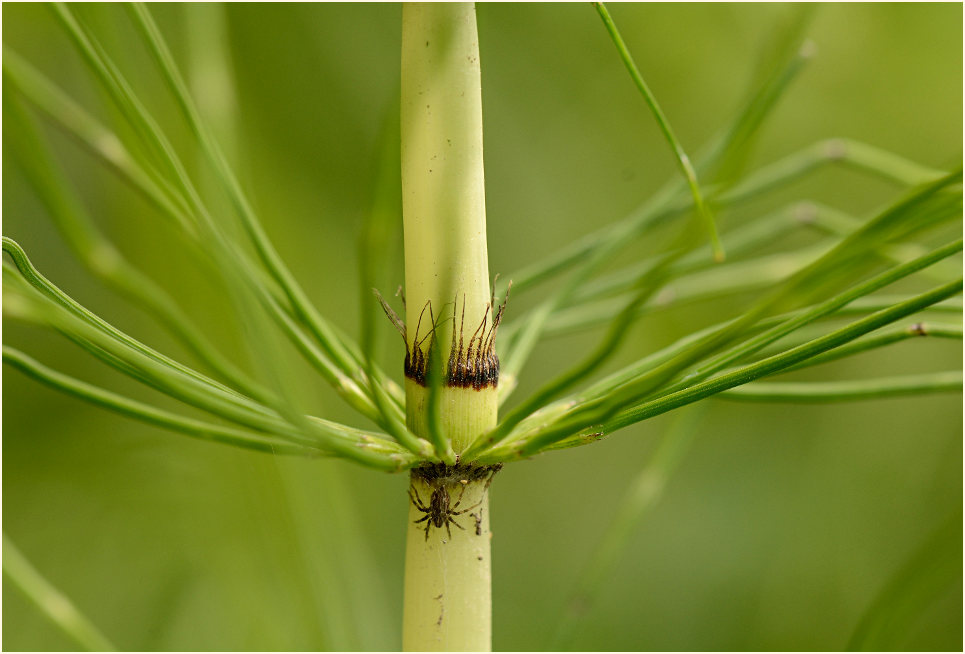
[
  {"x": 443, "y": 203},
  {"x": 447, "y": 601},
  {"x": 449, "y": 312}
]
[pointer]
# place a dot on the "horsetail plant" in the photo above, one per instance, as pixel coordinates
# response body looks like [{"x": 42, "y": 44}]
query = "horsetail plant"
[{"x": 465, "y": 343}]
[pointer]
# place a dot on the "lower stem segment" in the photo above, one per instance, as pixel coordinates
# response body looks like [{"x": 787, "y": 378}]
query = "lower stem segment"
[{"x": 448, "y": 603}]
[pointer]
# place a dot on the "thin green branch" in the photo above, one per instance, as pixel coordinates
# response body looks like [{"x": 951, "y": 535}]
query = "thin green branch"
[
  {"x": 589, "y": 306},
  {"x": 374, "y": 246},
  {"x": 238, "y": 269},
  {"x": 319, "y": 327},
  {"x": 791, "y": 168},
  {"x": 924, "y": 206},
  {"x": 336, "y": 348},
  {"x": 540, "y": 438},
  {"x": 858, "y": 307},
  {"x": 748, "y": 120},
  {"x": 28, "y": 303},
  {"x": 833, "y": 221},
  {"x": 106, "y": 147},
  {"x": 640, "y": 497},
  {"x": 94, "y": 137},
  {"x": 56, "y": 606},
  {"x": 50, "y": 291},
  {"x": 847, "y": 152},
  {"x": 725, "y": 279},
  {"x": 683, "y": 161},
  {"x": 148, "y": 413},
  {"x": 755, "y": 344},
  {"x": 210, "y": 71},
  {"x": 142, "y": 363},
  {"x": 730, "y": 278},
  {"x": 788, "y": 54},
  {"x": 734, "y": 138},
  {"x": 123, "y": 96},
  {"x": 648, "y": 284},
  {"x": 847, "y": 391},
  {"x": 879, "y": 302},
  {"x": 528, "y": 335},
  {"x": 102, "y": 258},
  {"x": 748, "y": 239},
  {"x": 880, "y": 339},
  {"x": 888, "y": 165}
]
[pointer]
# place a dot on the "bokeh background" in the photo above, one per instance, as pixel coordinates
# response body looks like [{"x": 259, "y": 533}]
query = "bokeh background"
[{"x": 782, "y": 524}]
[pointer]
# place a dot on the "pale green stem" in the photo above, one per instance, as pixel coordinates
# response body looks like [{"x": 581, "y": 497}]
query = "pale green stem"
[
  {"x": 448, "y": 575},
  {"x": 443, "y": 203},
  {"x": 448, "y": 312}
]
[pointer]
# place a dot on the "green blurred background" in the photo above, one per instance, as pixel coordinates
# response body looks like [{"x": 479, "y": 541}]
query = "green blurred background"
[{"x": 783, "y": 523}]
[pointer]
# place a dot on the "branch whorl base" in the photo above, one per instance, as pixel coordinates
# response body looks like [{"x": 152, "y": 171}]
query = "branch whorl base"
[{"x": 472, "y": 361}]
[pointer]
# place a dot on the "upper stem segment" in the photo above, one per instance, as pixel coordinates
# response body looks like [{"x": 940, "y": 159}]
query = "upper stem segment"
[{"x": 444, "y": 210}]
